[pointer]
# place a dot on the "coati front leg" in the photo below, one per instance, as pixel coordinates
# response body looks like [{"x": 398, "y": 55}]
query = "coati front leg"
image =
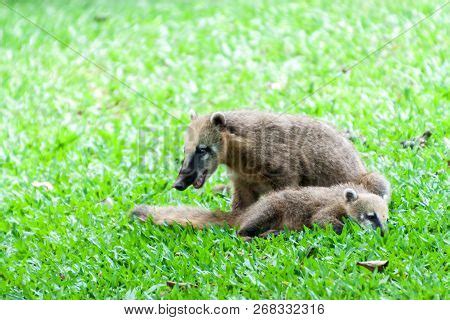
[
  {"x": 257, "y": 221},
  {"x": 330, "y": 215},
  {"x": 243, "y": 196}
]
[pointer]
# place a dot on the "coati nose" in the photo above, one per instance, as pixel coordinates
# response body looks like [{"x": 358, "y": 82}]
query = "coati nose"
[
  {"x": 179, "y": 185},
  {"x": 183, "y": 181}
]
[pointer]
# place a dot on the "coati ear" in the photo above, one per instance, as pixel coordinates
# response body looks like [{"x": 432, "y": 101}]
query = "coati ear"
[
  {"x": 218, "y": 120},
  {"x": 350, "y": 195},
  {"x": 192, "y": 114}
]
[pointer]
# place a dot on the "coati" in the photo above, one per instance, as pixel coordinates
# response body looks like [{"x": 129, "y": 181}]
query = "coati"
[
  {"x": 269, "y": 152},
  {"x": 291, "y": 208}
]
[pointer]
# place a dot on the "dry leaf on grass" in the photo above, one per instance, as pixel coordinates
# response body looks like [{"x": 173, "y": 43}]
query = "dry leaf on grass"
[
  {"x": 44, "y": 184},
  {"x": 418, "y": 141},
  {"x": 380, "y": 265}
]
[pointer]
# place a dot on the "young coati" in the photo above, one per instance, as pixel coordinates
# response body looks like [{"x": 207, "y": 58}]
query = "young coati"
[
  {"x": 293, "y": 209},
  {"x": 267, "y": 152}
]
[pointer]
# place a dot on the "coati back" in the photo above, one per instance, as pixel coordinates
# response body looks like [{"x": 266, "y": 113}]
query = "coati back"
[
  {"x": 293, "y": 209},
  {"x": 269, "y": 152}
]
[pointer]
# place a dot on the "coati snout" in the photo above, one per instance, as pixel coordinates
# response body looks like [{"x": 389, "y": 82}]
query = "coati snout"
[
  {"x": 194, "y": 170},
  {"x": 201, "y": 151}
]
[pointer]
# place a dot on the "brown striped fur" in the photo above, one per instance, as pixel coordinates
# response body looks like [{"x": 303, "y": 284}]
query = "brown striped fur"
[{"x": 267, "y": 152}]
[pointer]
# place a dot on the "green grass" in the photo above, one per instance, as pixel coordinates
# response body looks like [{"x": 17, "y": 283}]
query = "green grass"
[{"x": 64, "y": 121}]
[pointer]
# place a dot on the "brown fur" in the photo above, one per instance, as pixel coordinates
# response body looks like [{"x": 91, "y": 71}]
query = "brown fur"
[
  {"x": 185, "y": 215},
  {"x": 268, "y": 152},
  {"x": 293, "y": 209}
]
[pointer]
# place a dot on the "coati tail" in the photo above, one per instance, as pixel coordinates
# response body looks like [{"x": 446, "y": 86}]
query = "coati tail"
[
  {"x": 377, "y": 184},
  {"x": 197, "y": 217}
]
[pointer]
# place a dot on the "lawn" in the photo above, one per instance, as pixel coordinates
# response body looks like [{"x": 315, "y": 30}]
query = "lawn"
[{"x": 103, "y": 120}]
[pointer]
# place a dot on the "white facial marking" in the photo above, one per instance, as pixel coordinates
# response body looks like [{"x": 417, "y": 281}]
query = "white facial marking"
[{"x": 371, "y": 214}]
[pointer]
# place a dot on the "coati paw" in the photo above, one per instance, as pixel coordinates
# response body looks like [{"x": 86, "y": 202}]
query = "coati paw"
[{"x": 248, "y": 232}]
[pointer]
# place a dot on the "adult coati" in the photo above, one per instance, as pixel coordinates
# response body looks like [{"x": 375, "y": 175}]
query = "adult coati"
[
  {"x": 267, "y": 152},
  {"x": 293, "y": 209}
]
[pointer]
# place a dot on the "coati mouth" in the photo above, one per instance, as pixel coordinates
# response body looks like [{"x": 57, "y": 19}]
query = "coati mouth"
[{"x": 200, "y": 181}]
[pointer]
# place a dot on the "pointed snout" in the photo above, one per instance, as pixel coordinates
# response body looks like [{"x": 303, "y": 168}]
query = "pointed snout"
[
  {"x": 180, "y": 185},
  {"x": 184, "y": 180},
  {"x": 378, "y": 223}
]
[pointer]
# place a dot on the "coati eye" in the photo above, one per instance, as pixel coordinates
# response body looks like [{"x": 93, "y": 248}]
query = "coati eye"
[
  {"x": 201, "y": 149},
  {"x": 371, "y": 216}
]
